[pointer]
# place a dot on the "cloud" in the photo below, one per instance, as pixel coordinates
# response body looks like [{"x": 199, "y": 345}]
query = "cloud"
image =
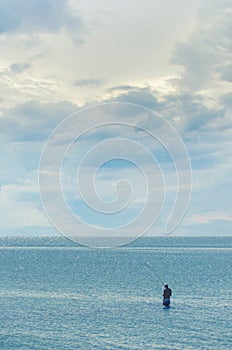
[
  {"x": 226, "y": 72},
  {"x": 39, "y": 16},
  {"x": 198, "y": 103},
  {"x": 208, "y": 49},
  {"x": 187, "y": 112},
  {"x": 24, "y": 130},
  {"x": 197, "y": 58},
  {"x": 131, "y": 94},
  {"x": 19, "y": 84},
  {"x": 88, "y": 82},
  {"x": 209, "y": 216},
  {"x": 196, "y": 115},
  {"x": 33, "y": 121},
  {"x": 19, "y": 67},
  {"x": 121, "y": 88},
  {"x": 226, "y": 99},
  {"x": 26, "y": 127}
]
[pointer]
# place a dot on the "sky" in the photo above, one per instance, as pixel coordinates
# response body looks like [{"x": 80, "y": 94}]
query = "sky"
[{"x": 122, "y": 110}]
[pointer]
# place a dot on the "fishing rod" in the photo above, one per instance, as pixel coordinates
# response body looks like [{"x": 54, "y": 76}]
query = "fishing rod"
[{"x": 147, "y": 264}]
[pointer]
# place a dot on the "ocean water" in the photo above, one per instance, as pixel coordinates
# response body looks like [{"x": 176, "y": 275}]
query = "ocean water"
[{"x": 57, "y": 295}]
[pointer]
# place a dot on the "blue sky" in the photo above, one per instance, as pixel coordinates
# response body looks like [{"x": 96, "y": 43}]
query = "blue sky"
[{"x": 60, "y": 57}]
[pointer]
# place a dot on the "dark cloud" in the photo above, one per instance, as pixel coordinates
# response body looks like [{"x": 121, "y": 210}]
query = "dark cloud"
[
  {"x": 227, "y": 99},
  {"x": 226, "y": 72},
  {"x": 191, "y": 109},
  {"x": 141, "y": 96},
  {"x": 199, "y": 59},
  {"x": 19, "y": 67},
  {"x": 33, "y": 121},
  {"x": 208, "y": 50},
  {"x": 120, "y": 88},
  {"x": 39, "y": 16},
  {"x": 195, "y": 113},
  {"x": 88, "y": 82}
]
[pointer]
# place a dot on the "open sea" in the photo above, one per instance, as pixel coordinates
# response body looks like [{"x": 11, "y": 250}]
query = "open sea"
[{"x": 55, "y": 294}]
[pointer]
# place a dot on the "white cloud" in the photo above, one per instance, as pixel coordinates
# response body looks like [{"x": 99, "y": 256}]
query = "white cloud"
[{"x": 131, "y": 46}]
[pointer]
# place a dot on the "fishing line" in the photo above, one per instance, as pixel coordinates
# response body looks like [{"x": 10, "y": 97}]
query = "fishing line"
[{"x": 147, "y": 264}]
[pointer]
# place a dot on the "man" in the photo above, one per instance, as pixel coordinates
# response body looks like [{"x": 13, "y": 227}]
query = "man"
[{"x": 166, "y": 295}]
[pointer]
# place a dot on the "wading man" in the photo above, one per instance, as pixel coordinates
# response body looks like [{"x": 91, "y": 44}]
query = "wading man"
[{"x": 166, "y": 295}]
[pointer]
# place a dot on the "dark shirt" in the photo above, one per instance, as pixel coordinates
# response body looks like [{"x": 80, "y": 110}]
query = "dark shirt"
[{"x": 167, "y": 293}]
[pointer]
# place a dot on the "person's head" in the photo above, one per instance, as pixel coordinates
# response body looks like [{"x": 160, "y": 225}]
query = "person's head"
[{"x": 166, "y": 286}]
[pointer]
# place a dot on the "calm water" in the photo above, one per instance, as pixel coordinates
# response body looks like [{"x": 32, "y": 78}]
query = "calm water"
[{"x": 55, "y": 295}]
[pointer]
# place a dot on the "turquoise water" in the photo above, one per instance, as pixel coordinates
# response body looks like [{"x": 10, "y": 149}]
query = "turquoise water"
[{"x": 56, "y": 295}]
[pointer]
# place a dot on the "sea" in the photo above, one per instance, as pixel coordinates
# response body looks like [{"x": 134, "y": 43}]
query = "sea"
[{"x": 56, "y": 294}]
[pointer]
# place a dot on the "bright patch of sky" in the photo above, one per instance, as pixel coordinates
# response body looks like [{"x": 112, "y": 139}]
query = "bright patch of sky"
[{"x": 173, "y": 57}]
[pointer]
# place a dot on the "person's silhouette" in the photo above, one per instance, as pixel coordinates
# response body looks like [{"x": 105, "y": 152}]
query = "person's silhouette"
[{"x": 166, "y": 295}]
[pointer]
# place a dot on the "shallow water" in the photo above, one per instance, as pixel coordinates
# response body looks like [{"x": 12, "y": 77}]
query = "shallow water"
[{"x": 55, "y": 295}]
